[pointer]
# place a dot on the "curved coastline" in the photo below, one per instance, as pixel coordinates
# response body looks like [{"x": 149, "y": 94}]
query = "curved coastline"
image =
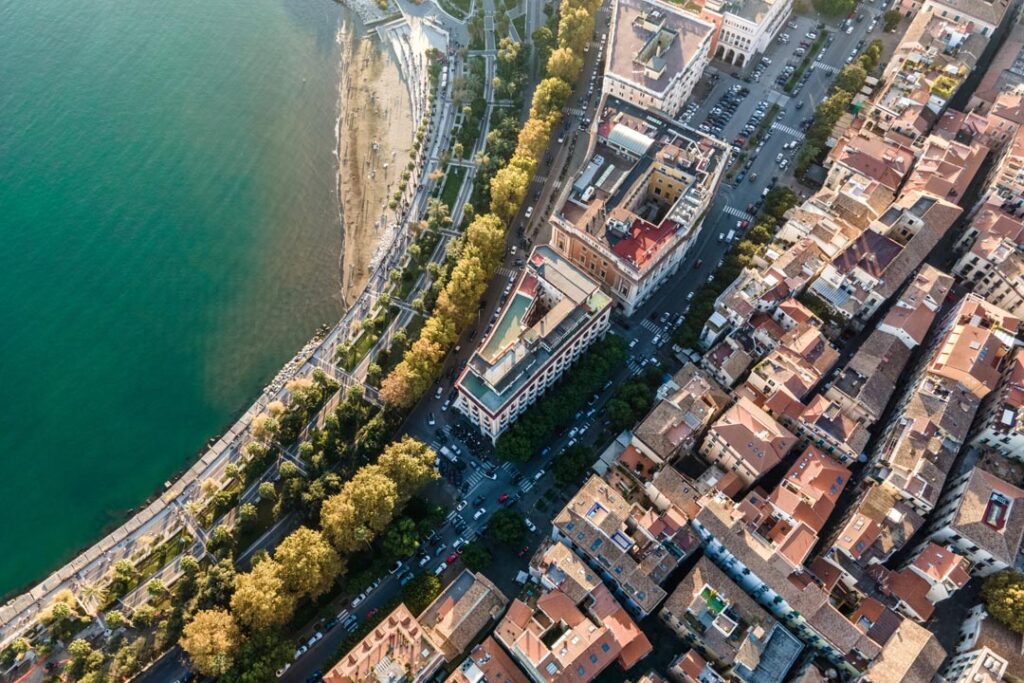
[{"x": 161, "y": 514}]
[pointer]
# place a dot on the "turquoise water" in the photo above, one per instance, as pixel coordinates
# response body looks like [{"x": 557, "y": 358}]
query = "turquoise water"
[{"x": 168, "y": 238}]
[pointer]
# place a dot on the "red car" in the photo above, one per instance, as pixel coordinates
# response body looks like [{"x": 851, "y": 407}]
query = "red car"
[
  {"x": 502, "y": 498},
  {"x": 369, "y": 615},
  {"x": 451, "y": 558},
  {"x": 522, "y": 552},
  {"x": 744, "y": 224}
]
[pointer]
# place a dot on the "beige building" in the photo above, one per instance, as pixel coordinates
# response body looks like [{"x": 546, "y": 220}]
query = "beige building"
[
  {"x": 630, "y": 216},
  {"x": 746, "y": 27},
  {"x": 746, "y": 441},
  {"x": 656, "y": 54}
]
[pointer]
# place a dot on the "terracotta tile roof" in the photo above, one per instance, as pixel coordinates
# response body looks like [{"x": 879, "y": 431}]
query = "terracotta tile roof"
[
  {"x": 990, "y": 513},
  {"x": 398, "y": 642},
  {"x": 488, "y": 662},
  {"x": 973, "y": 350},
  {"x": 462, "y": 610},
  {"x": 753, "y": 435},
  {"x": 942, "y": 564},
  {"x": 811, "y": 487},
  {"x": 912, "y": 655},
  {"x": 910, "y": 588}
]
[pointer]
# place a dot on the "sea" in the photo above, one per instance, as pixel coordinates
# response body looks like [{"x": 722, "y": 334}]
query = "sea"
[{"x": 169, "y": 237}]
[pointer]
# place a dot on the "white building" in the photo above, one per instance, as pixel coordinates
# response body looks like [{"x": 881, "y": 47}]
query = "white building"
[
  {"x": 553, "y": 314},
  {"x": 986, "y": 651},
  {"x": 747, "y": 26},
  {"x": 656, "y": 54},
  {"x": 1001, "y": 419}
]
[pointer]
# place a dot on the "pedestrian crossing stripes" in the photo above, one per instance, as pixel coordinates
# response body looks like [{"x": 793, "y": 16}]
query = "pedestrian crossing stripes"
[
  {"x": 526, "y": 487},
  {"x": 474, "y": 479},
  {"x": 650, "y": 325},
  {"x": 788, "y": 130},
  {"x": 736, "y": 213},
  {"x": 827, "y": 68},
  {"x": 505, "y": 271},
  {"x": 574, "y": 111},
  {"x": 506, "y": 467},
  {"x": 635, "y": 367}
]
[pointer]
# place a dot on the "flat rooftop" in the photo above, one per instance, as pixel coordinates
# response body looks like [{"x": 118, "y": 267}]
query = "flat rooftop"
[
  {"x": 650, "y": 42},
  {"x": 551, "y": 301},
  {"x": 645, "y": 185}
]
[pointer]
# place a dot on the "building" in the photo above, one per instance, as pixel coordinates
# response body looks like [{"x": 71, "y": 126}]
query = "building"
[
  {"x": 631, "y": 548},
  {"x": 656, "y": 54},
  {"x": 910, "y": 655},
  {"x": 678, "y": 420},
  {"x": 931, "y": 62},
  {"x": 461, "y": 612},
  {"x": 398, "y": 648},
  {"x": 987, "y": 651},
  {"x": 878, "y": 263},
  {"x": 1000, "y": 425},
  {"x": 875, "y": 526},
  {"x": 630, "y": 216},
  {"x": 487, "y": 663},
  {"x": 745, "y": 27},
  {"x": 931, "y": 577},
  {"x": 554, "y": 312},
  {"x": 556, "y": 640},
  {"x": 992, "y": 264},
  {"x": 824, "y": 424},
  {"x": 793, "y": 598},
  {"x": 709, "y": 610},
  {"x": 984, "y": 15},
  {"x": 982, "y": 518},
  {"x": 946, "y": 168},
  {"x": 690, "y": 667},
  {"x": 746, "y": 441}
]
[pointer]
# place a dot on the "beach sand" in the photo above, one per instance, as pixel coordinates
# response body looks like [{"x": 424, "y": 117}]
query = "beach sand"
[{"x": 374, "y": 140}]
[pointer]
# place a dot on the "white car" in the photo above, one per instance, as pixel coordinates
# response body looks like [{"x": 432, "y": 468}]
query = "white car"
[
  {"x": 530, "y": 525},
  {"x": 447, "y": 403},
  {"x": 280, "y": 672},
  {"x": 461, "y": 506},
  {"x": 540, "y": 473},
  {"x": 689, "y": 296},
  {"x": 479, "y": 513},
  {"x": 423, "y": 562},
  {"x": 301, "y": 651},
  {"x": 513, "y": 250},
  {"x": 440, "y": 568},
  {"x": 358, "y": 599},
  {"x": 395, "y": 567},
  {"x": 529, "y": 212}
]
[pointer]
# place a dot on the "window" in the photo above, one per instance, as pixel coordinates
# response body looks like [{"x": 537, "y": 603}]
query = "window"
[
  {"x": 604, "y": 647},
  {"x": 580, "y": 670},
  {"x": 593, "y": 659}
]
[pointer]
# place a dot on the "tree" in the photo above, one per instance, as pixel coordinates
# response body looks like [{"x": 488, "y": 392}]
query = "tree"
[
  {"x": 374, "y": 495},
  {"x": 308, "y": 565},
  {"x": 409, "y": 463},
  {"x": 402, "y": 539},
  {"x": 115, "y": 619},
  {"x": 215, "y": 586},
  {"x": 420, "y": 592},
  {"x": 260, "y": 599},
  {"x": 891, "y": 20},
  {"x": 1004, "y": 598},
  {"x": 476, "y": 557},
  {"x": 575, "y": 28},
  {"x": 156, "y": 589},
  {"x": 122, "y": 575},
  {"x": 222, "y": 541},
  {"x": 508, "y": 188},
  {"x": 212, "y": 640},
  {"x": 565, "y": 64},
  {"x": 143, "y": 616},
  {"x": 507, "y": 526},
  {"x": 267, "y": 491},
  {"x": 247, "y": 514},
  {"x": 83, "y": 658},
  {"x": 572, "y": 463},
  {"x": 851, "y": 78}
]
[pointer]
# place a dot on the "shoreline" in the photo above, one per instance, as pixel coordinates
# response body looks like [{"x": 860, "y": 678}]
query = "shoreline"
[{"x": 158, "y": 512}]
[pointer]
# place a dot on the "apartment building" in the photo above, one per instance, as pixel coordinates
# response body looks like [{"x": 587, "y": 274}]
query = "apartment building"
[
  {"x": 557, "y": 640},
  {"x": 982, "y": 518},
  {"x": 946, "y": 168},
  {"x": 553, "y": 314},
  {"x": 877, "y": 264},
  {"x": 398, "y": 648},
  {"x": 987, "y": 651},
  {"x": 1000, "y": 423},
  {"x": 1006, "y": 186},
  {"x": 931, "y": 62},
  {"x": 630, "y": 216},
  {"x": 746, "y": 441},
  {"x": 875, "y": 526},
  {"x": 901, "y": 651},
  {"x": 487, "y": 662},
  {"x": 467, "y": 605},
  {"x": 984, "y": 15},
  {"x": 677, "y": 421},
  {"x": 656, "y": 54},
  {"x": 631, "y": 548},
  {"x": 709, "y": 610}
]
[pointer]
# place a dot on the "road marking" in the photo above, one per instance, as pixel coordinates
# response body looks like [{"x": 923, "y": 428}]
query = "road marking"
[
  {"x": 787, "y": 129},
  {"x": 574, "y": 111},
  {"x": 827, "y": 68},
  {"x": 650, "y": 325},
  {"x": 526, "y": 487},
  {"x": 474, "y": 479},
  {"x": 736, "y": 213}
]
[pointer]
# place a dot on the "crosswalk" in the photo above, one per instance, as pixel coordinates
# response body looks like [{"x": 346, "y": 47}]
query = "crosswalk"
[
  {"x": 574, "y": 111},
  {"x": 650, "y": 326},
  {"x": 788, "y": 130},
  {"x": 505, "y": 271},
  {"x": 737, "y": 213},
  {"x": 474, "y": 479},
  {"x": 827, "y": 68},
  {"x": 635, "y": 366}
]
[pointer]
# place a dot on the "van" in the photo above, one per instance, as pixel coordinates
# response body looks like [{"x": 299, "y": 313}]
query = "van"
[{"x": 731, "y": 236}]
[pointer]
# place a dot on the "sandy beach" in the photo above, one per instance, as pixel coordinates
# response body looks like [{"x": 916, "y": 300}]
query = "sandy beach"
[{"x": 374, "y": 140}]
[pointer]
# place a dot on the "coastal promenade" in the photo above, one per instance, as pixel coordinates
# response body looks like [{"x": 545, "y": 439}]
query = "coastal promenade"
[{"x": 169, "y": 513}]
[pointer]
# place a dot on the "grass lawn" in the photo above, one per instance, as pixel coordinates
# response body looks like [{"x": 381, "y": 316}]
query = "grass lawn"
[
  {"x": 167, "y": 551},
  {"x": 457, "y": 8},
  {"x": 264, "y": 520},
  {"x": 362, "y": 345},
  {"x": 520, "y": 23},
  {"x": 452, "y": 184}
]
